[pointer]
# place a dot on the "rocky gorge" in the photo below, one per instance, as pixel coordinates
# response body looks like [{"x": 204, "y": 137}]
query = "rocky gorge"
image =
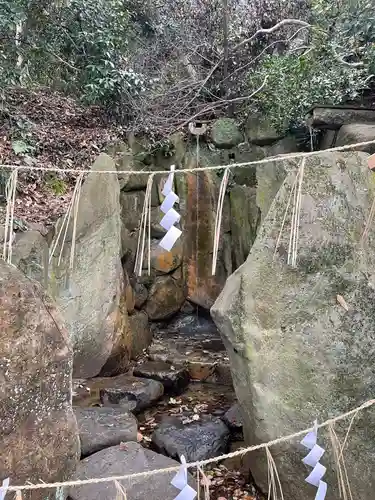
[{"x": 127, "y": 372}]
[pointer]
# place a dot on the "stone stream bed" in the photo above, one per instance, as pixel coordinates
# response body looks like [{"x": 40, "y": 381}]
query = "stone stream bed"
[{"x": 159, "y": 410}]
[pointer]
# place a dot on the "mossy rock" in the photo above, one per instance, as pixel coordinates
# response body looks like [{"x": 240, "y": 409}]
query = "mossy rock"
[
  {"x": 225, "y": 133},
  {"x": 296, "y": 353}
]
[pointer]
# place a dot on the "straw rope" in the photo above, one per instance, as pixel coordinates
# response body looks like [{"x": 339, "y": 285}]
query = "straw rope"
[
  {"x": 289, "y": 156},
  {"x": 262, "y": 446}
]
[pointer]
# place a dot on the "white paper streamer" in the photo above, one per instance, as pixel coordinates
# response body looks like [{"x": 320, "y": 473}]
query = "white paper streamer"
[
  {"x": 312, "y": 459},
  {"x": 171, "y": 217},
  {"x": 5, "y": 485},
  {"x": 181, "y": 483}
]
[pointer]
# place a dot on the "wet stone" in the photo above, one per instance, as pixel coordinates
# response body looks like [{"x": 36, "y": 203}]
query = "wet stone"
[
  {"x": 206, "y": 438},
  {"x": 101, "y": 428},
  {"x": 133, "y": 393},
  {"x": 174, "y": 378},
  {"x": 129, "y": 393}
]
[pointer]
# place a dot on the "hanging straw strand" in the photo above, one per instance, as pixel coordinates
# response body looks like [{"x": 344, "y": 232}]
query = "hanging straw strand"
[
  {"x": 145, "y": 229},
  {"x": 11, "y": 189},
  {"x": 218, "y": 219}
]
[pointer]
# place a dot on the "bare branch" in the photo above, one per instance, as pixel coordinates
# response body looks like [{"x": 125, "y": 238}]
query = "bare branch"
[{"x": 222, "y": 103}]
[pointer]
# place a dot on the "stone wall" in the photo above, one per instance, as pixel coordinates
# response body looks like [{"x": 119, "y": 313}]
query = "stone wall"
[
  {"x": 185, "y": 274},
  {"x": 107, "y": 309}
]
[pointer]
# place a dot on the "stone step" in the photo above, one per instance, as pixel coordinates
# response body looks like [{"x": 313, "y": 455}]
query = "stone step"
[
  {"x": 199, "y": 349},
  {"x": 174, "y": 378},
  {"x": 124, "y": 391}
]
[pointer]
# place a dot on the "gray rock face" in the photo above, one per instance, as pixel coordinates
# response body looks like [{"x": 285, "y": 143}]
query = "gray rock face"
[
  {"x": 129, "y": 460},
  {"x": 296, "y": 354},
  {"x": 196, "y": 441},
  {"x": 131, "y": 209},
  {"x": 174, "y": 379},
  {"x": 30, "y": 255},
  {"x": 270, "y": 177},
  {"x": 334, "y": 118},
  {"x": 124, "y": 389},
  {"x": 357, "y": 132},
  {"x": 101, "y": 428},
  {"x": 38, "y": 431},
  {"x": 89, "y": 295},
  {"x": 260, "y": 131}
]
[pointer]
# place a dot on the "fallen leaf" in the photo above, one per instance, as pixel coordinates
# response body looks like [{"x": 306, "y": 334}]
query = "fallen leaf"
[{"x": 340, "y": 299}]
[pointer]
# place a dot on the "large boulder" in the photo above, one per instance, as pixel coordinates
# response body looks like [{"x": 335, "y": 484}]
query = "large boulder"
[
  {"x": 89, "y": 295},
  {"x": 125, "y": 460},
  {"x": 298, "y": 350},
  {"x": 165, "y": 299},
  {"x": 260, "y": 130},
  {"x": 101, "y": 428},
  {"x": 162, "y": 261},
  {"x": 38, "y": 431},
  {"x": 198, "y": 440},
  {"x": 332, "y": 117},
  {"x": 225, "y": 133},
  {"x": 357, "y": 132}
]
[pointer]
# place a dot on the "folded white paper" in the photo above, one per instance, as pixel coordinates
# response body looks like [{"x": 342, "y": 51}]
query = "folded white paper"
[
  {"x": 170, "y": 238},
  {"x": 170, "y": 219},
  {"x": 316, "y": 475},
  {"x": 5, "y": 485},
  {"x": 322, "y": 491},
  {"x": 168, "y": 186},
  {"x": 314, "y": 456},
  {"x": 188, "y": 493},
  {"x": 180, "y": 481},
  {"x": 312, "y": 459},
  {"x": 169, "y": 201}
]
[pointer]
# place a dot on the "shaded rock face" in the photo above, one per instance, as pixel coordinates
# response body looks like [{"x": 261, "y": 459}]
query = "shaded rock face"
[
  {"x": 141, "y": 334},
  {"x": 88, "y": 296},
  {"x": 101, "y": 428},
  {"x": 120, "y": 356},
  {"x": 174, "y": 378},
  {"x": 196, "y": 441},
  {"x": 295, "y": 353},
  {"x": 38, "y": 430},
  {"x": 198, "y": 199},
  {"x": 334, "y": 118},
  {"x": 166, "y": 297},
  {"x": 115, "y": 461},
  {"x": 244, "y": 221}
]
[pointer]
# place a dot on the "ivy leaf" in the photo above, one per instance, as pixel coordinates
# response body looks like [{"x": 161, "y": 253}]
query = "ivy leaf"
[{"x": 21, "y": 147}]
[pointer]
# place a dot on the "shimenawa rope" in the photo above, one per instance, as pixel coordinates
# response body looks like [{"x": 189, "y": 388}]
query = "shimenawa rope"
[
  {"x": 284, "y": 157},
  {"x": 200, "y": 463}
]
